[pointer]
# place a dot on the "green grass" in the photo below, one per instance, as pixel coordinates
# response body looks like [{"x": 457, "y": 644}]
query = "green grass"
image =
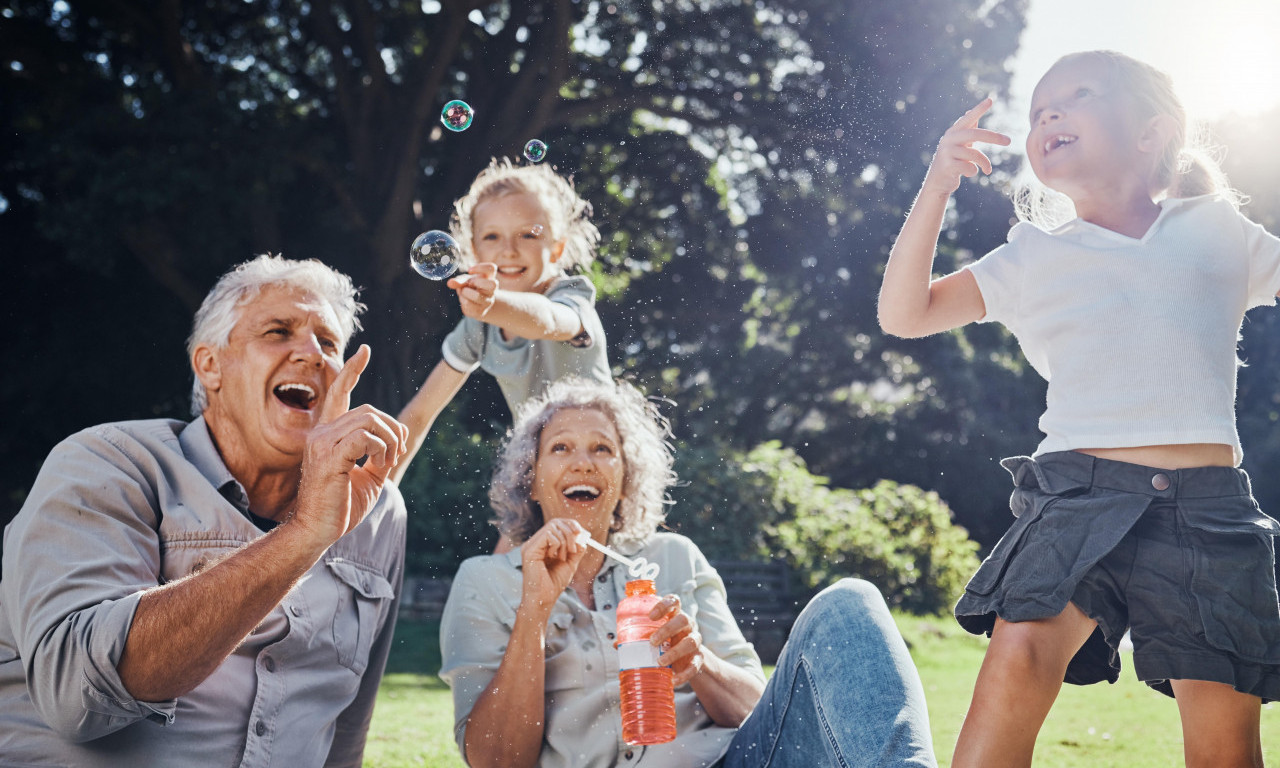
[{"x": 1125, "y": 724}]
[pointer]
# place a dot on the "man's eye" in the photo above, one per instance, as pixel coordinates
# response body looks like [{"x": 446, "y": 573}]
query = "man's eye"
[
  {"x": 558, "y": 448},
  {"x": 602, "y": 448},
  {"x": 1082, "y": 92},
  {"x": 489, "y": 236},
  {"x": 328, "y": 343}
]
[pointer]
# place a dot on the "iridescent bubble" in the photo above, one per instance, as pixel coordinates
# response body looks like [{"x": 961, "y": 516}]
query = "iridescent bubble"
[
  {"x": 534, "y": 151},
  {"x": 457, "y": 115},
  {"x": 435, "y": 255}
]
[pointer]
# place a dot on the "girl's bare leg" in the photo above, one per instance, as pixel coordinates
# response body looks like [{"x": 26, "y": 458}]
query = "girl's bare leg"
[
  {"x": 1220, "y": 725},
  {"x": 1017, "y": 684}
]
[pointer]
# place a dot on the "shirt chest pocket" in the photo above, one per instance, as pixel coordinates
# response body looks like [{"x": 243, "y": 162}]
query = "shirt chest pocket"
[
  {"x": 565, "y": 655},
  {"x": 363, "y": 595}
]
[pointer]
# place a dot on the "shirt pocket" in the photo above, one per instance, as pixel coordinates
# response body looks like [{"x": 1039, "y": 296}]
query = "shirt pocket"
[
  {"x": 565, "y": 660},
  {"x": 1233, "y": 577},
  {"x": 363, "y": 595}
]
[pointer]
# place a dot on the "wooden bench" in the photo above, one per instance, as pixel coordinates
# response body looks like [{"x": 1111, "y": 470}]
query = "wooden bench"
[{"x": 762, "y": 599}]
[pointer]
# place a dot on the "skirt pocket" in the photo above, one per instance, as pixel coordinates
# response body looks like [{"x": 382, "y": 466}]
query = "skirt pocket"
[{"x": 1233, "y": 579}]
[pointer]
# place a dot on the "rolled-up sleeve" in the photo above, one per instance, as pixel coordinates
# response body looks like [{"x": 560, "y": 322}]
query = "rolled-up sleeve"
[
  {"x": 720, "y": 631},
  {"x": 464, "y": 345},
  {"x": 77, "y": 558},
  {"x": 578, "y": 294}
]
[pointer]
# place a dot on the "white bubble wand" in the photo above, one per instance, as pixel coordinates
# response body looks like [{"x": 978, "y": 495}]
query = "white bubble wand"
[{"x": 639, "y": 568}]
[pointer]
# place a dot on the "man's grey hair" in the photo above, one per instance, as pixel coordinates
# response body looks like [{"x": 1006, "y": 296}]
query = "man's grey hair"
[
  {"x": 645, "y": 450},
  {"x": 221, "y": 309}
]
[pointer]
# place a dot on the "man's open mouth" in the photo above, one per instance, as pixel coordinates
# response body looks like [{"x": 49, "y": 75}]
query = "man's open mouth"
[{"x": 296, "y": 395}]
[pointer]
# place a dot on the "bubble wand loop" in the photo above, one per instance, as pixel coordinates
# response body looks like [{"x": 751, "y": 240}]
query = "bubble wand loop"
[{"x": 638, "y": 568}]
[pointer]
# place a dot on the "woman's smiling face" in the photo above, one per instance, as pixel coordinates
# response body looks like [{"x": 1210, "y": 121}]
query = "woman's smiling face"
[{"x": 579, "y": 471}]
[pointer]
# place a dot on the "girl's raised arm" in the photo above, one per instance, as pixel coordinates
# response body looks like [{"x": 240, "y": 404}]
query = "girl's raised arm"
[{"x": 912, "y": 303}]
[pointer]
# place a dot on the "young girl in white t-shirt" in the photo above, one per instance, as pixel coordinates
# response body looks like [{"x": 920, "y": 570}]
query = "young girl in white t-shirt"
[{"x": 1132, "y": 514}]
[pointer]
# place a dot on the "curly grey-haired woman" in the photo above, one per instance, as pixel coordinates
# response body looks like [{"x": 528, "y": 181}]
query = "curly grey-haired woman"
[{"x": 527, "y": 637}]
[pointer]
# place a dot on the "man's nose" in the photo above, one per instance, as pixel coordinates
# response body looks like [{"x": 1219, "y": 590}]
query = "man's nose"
[{"x": 309, "y": 349}]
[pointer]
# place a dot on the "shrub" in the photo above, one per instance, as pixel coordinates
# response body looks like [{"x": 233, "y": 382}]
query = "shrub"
[
  {"x": 898, "y": 537},
  {"x": 766, "y": 503}
]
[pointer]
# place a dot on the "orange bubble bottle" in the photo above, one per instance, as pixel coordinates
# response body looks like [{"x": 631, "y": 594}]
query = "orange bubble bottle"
[{"x": 648, "y": 694}]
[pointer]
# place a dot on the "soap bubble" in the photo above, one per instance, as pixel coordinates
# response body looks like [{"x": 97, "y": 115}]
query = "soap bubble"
[
  {"x": 534, "y": 151},
  {"x": 457, "y": 115},
  {"x": 435, "y": 255}
]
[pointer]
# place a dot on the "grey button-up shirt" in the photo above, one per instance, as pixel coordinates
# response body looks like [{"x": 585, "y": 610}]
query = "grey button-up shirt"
[
  {"x": 583, "y": 708},
  {"x": 120, "y": 508}
]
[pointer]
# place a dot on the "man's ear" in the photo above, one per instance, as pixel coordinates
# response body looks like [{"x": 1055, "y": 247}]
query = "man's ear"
[
  {"x": 204, "y": 362},
  {"x": 557, "y": 250}
]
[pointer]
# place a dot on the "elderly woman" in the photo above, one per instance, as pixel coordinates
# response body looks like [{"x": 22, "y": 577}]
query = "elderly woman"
[{"x": 528, "y": 635}]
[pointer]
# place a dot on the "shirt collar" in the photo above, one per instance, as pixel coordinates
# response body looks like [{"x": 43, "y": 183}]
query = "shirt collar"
[{"x": 197, "y": 445}]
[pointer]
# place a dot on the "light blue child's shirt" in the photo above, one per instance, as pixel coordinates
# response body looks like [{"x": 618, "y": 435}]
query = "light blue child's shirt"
[{"x": 525, "y": 367}]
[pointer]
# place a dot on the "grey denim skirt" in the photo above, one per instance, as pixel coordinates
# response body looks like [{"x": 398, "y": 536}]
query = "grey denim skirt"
[{"x": 1183, "y": 558}]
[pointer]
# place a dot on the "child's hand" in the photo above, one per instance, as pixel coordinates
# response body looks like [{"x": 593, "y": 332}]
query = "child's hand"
[
  {"x": 956, "y": 155},
  {"x": 476, "y": 288}
]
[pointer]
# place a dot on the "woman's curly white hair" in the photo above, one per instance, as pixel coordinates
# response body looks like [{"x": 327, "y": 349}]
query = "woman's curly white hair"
[{"x": 646, "y": 455}]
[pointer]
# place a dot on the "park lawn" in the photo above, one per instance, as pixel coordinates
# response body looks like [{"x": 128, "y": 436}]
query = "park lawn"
[{"x": 1095, "y": 726}]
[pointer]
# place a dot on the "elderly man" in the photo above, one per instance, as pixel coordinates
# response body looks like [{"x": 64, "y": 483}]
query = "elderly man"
[{"x": 219, "y": 592}]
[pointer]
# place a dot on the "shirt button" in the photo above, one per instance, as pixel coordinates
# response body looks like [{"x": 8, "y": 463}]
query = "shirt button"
[
  {"x": 602, "y": 577},
  {"x": 260, "y": 728},
  {"x": 610, "y": 635},
  {"x": 295, "y": 610},
  {"x": 629, "y": 754},
  {"x": 607, "y": 606},
  {"x": 1160, "y": 481},
  {"x": 270, "y": 664}
]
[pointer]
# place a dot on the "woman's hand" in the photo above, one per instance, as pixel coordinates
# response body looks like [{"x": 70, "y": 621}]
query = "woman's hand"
[
  {"x": 680, "y": 640},
  {"x": 476, "y": 289},
  {"x": 956, "y": 156},
  {"x": 548, "y": 560}
]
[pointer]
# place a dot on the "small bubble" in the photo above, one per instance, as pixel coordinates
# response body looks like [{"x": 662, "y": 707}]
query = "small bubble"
[
  {"x": 534, "y": 151},
  {"x": 457, "y": 115},
  {"x": 434, "y": 255}
]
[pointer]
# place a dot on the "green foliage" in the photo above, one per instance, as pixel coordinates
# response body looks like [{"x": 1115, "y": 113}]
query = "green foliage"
[
  {"x": 446, "y": 491},
  {"x": 766, "y": 503},
  {"x": 898, "y": 537},
  {"x": 727, "y": 499}
]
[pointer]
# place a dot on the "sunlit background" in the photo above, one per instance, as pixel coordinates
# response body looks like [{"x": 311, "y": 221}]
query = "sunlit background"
[{"x": 1223, "y": 56}]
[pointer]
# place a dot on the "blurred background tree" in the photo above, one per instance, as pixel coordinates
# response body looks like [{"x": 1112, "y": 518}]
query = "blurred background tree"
[{"x": 749, "y": 162}]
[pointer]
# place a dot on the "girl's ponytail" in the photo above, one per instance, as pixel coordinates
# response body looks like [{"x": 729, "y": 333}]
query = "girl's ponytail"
[{"x": 1198, "y": 172}]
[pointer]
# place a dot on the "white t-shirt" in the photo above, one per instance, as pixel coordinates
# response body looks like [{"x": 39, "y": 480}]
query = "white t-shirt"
[{"x": 1136, "y": 336}]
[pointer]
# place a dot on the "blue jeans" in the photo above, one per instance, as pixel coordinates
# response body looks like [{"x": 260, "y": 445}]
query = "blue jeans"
[{"x": 844, "y": 693}]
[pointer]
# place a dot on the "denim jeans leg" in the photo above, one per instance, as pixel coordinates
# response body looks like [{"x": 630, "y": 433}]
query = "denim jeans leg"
[{"x": 844, "y": 693}]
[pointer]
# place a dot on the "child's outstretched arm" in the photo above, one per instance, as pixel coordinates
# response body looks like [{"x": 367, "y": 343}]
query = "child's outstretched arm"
[
  {"x": 912, "y": 303},
  {"x": 518, "y": 313},
  {"x": 421, "y": 411}
]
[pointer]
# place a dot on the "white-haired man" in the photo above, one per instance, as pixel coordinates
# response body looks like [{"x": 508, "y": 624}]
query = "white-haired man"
[{"x": 219, "y": 592}]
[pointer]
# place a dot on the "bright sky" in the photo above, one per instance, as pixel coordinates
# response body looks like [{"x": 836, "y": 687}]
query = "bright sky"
[{"x": 1223, "y": 55}]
